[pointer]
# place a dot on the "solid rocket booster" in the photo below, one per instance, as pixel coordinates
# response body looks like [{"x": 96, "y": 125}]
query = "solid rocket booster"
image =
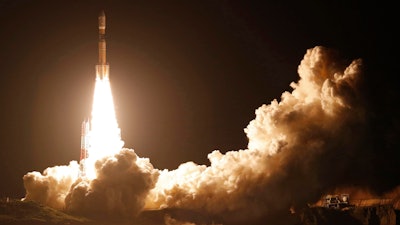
[
  {"x": 85, "y": 139},
  {"x": 102, "y": 68}
]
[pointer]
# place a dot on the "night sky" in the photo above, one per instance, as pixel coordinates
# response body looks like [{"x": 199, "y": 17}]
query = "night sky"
[{"x": 186, "y": 76}]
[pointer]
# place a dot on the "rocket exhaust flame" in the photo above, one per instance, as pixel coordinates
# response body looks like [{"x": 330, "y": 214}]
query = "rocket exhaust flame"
[{"x": 104, "y": 136}]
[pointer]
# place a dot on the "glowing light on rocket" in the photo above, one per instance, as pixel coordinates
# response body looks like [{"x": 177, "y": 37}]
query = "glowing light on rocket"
[{"x": 104, "y": 136}]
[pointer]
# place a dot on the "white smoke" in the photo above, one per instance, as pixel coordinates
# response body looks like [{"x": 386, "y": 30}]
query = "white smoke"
[
  {"x": 291, "y": 141},
  {"x": 286, "y": 140},
  {"x": 51, "y": 187},
  {"x": 122, "y": 183}
]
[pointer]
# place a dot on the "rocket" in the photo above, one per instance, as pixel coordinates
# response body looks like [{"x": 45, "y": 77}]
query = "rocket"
[
  {"x": 102, "y": 71},
  {"x": 102, "y": 68}
]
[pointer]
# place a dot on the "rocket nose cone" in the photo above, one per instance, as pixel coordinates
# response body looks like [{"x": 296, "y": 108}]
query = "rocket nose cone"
[{"x": 102, "y": 14}]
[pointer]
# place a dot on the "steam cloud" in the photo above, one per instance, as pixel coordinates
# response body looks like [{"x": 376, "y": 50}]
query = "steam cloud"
[
  {"x": 122, "y": 183},
  {"x": 292, "y": 145}
]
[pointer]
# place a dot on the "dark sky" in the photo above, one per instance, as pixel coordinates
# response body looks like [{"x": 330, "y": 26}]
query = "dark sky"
[{"x": 186, "y": 76}]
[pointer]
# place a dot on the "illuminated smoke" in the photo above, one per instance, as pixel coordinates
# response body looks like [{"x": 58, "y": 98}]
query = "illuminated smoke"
[
  {"x": 51, "y": 187},
  {"x": 119, "y": 189},
  {"x": 292, "y": 144}
]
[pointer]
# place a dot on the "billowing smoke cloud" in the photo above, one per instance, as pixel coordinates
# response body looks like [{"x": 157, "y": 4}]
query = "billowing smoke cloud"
[
  {"x": 298, "y": 148},
  {"x": 51, "y": 187},
  {"x": 122, "y": 183}
]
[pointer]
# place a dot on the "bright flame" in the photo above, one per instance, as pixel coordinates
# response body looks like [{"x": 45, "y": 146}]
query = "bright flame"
[{"x": 104, "y": 135}]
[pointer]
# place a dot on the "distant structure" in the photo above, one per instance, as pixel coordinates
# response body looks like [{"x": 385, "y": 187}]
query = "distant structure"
[{"x": 337, "y": 201}]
